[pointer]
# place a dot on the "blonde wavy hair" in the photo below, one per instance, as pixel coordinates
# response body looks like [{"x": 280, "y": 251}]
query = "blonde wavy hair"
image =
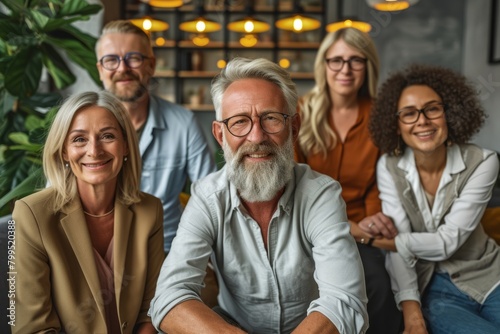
[
  {"x": 62, "y": 179},
  {"x": 316, "y": 135}
]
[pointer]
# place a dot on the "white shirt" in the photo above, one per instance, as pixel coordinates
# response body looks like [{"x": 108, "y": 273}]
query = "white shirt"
[{"x": 441, "y": 241}]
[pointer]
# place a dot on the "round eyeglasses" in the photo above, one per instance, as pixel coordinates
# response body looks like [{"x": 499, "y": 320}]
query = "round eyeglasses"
[
  {"x": 411, "y": 115},
  {"x": 354, "y": 63},
  {"x": 241, "y": 125},
  {"x": 131, "y": 59}
]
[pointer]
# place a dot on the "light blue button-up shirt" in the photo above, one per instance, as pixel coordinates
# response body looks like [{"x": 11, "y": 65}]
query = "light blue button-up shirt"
[
  {"x": 173, "y": 149},
  {"x": 311, "y": 264}
]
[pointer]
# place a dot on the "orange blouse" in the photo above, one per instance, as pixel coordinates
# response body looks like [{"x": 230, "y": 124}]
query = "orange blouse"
[{"x": 353, "y": 164}]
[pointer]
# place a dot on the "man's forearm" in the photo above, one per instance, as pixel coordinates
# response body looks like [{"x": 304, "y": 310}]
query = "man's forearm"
[
  {"x": 316, "y": 323},
  {"x": 192, "y": 316}
]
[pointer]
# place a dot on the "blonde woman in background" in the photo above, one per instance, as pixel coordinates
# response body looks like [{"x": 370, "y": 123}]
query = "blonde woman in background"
[{"x": 335, "y": 141}]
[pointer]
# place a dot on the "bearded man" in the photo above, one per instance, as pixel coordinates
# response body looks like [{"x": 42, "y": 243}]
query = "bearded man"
[
  {"x": 276, "y": 231},
  {"x": 172, "y": 146}
]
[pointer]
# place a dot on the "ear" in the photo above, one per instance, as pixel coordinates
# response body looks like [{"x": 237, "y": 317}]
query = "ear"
[
  {"x": 65, "y": 154},
  {"x": 217, "y": 129},
  {"x": 152, "y": 64},
  {"x": 296, "y": 122}
]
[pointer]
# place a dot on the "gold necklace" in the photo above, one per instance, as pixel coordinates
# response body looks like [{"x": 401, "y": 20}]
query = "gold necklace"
[{"x": 99, "y": 216}]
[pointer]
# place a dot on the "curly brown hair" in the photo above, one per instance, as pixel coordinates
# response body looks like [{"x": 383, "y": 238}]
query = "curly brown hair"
[{"x": 464, "y": 113}]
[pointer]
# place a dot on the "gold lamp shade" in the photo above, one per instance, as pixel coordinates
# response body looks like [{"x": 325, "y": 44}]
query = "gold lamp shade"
[
  {"x": 298, "y": 23},
  {"x": 391, "y": 5},
  {"x": 165, "y": 3},
  {"x": 147, "y": 23},
  {"x": 360, "y": 25},
  {"x": 200, "y": 25},
  {"x": 248, "y": 25}
]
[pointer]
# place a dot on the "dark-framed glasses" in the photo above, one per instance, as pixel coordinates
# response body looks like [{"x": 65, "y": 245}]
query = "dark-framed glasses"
[
  {"x": 411, "y": 115},
  {"x": 131, "y": 59},
  {"x": 241, "y": 125},
  {"x": 354, "y": 63}
]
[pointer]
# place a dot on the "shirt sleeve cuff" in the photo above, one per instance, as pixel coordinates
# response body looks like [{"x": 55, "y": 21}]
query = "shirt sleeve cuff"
[{"x": 402, "y": 240}]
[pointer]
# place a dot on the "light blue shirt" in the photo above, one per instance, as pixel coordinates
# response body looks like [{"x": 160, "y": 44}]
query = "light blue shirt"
[
  {"x": 311, "y": 264},
  {"x": 173, "y": 149}
]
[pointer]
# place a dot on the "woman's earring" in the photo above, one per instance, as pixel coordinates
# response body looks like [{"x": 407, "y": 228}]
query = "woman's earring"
[
  {"x": 66, "y": 165},
  {"x": 449, "y": 142},
  {"x": 125, "y": 159},
  {"x": 397, "y": 151}
]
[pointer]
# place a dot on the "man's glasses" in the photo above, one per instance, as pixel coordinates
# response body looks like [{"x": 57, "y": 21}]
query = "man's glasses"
[
  {"x": 411, "y": 115},
  {"x": 354, "y": 63},
  {"x": 241, "y": 125},
  {"x": 131, "y": 59}
]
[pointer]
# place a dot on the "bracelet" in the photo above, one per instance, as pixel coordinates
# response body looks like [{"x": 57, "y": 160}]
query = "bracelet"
[{"x": 365, "y": 242}]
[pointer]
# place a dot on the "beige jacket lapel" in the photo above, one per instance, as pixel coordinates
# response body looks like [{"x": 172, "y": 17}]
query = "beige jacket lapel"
[
  {"x": 76, "y": 230},
  {"x": 122, "y": 228}
]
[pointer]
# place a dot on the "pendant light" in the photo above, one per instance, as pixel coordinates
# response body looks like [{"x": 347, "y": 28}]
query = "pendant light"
[
  {"x": 200, "y": 26},
  {"x": 146, "y": 22},
  {"x": 298, "y": 22},
  {"x": 249, "y": 26},
  {"x": 165, "y": 3},
  {"x": 391, "y": 5},
  {"x": 347, "y": 22}
]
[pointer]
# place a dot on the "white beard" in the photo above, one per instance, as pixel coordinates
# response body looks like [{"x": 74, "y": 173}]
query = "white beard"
[{"x": 259, "y": 182}]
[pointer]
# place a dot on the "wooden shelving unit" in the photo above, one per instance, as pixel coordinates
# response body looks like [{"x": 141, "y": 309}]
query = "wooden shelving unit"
[{"x": 178, "y": 77}]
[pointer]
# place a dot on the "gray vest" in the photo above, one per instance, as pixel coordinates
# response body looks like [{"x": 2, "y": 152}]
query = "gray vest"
[{"x": 475, "y": 267}]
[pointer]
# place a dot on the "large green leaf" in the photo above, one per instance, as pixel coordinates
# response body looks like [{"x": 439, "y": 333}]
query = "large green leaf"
[
  {"x": 34, "y": 181},
  {"x": 8, "y": 28},
  {"x": 7, "y": 102},
  {"x": 78, "y": 7},
  {"x": 23, "y": 72},
  {"x": 76, "y": 34},
  {"x": 39, "y": 19},
  {"x": 57, "y": 67},
  {"x": 43, "y": 100},
  {"x": 15, "y": 6},
  {"x": 59, "y": 23},
  {"x": 84, "y": 57}
]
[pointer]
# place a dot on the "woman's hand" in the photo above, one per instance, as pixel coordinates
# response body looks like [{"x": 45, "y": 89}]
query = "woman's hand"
[{"x": 378, "y": 226}]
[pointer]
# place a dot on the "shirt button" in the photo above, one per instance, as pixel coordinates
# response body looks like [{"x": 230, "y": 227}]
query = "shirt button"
[{"x": 455, "y": 275}]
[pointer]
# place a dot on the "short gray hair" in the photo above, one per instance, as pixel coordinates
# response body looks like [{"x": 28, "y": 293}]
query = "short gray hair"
[{"x": 244, "y": 68}]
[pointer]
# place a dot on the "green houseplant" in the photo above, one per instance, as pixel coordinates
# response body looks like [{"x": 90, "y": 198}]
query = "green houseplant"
[{"x": 34, "y": 37}]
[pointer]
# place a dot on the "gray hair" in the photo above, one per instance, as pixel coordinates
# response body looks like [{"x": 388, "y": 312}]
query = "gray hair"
[
  {"x": 244, "y": 68},
  {"x": 125, "y": 27}
]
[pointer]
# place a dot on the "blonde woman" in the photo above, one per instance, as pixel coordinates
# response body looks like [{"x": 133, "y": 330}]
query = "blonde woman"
[
  {"x": 335, "y": 141},
  {"x": 90, "y": 246}
]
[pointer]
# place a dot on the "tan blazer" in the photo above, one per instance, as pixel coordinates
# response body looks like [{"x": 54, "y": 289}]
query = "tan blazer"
[{"x": 57, "y": 285}]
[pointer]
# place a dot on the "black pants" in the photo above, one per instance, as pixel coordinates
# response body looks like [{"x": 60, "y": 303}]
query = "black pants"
[{"x": 384, "y": 316}]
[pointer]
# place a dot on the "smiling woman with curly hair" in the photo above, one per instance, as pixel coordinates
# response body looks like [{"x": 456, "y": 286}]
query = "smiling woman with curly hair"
[
  {"x": 435, "y": 186},
  {"x": 464, "y": 113}
]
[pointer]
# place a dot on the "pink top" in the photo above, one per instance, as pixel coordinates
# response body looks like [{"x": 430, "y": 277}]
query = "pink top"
[{"x": 106, "y": 277}]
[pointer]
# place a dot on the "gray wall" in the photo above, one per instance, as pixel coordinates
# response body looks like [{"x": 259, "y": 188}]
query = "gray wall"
[{"x": 476, "y": 67}]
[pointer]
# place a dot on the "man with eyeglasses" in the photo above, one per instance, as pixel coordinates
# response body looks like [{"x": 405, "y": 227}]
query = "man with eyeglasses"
[
  {"x": 276, "y": 231},
  {"x": 172, "y": 145}
]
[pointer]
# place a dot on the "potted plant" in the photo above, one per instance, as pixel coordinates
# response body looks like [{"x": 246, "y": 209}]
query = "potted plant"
[{"x": 34, "y": 36}]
